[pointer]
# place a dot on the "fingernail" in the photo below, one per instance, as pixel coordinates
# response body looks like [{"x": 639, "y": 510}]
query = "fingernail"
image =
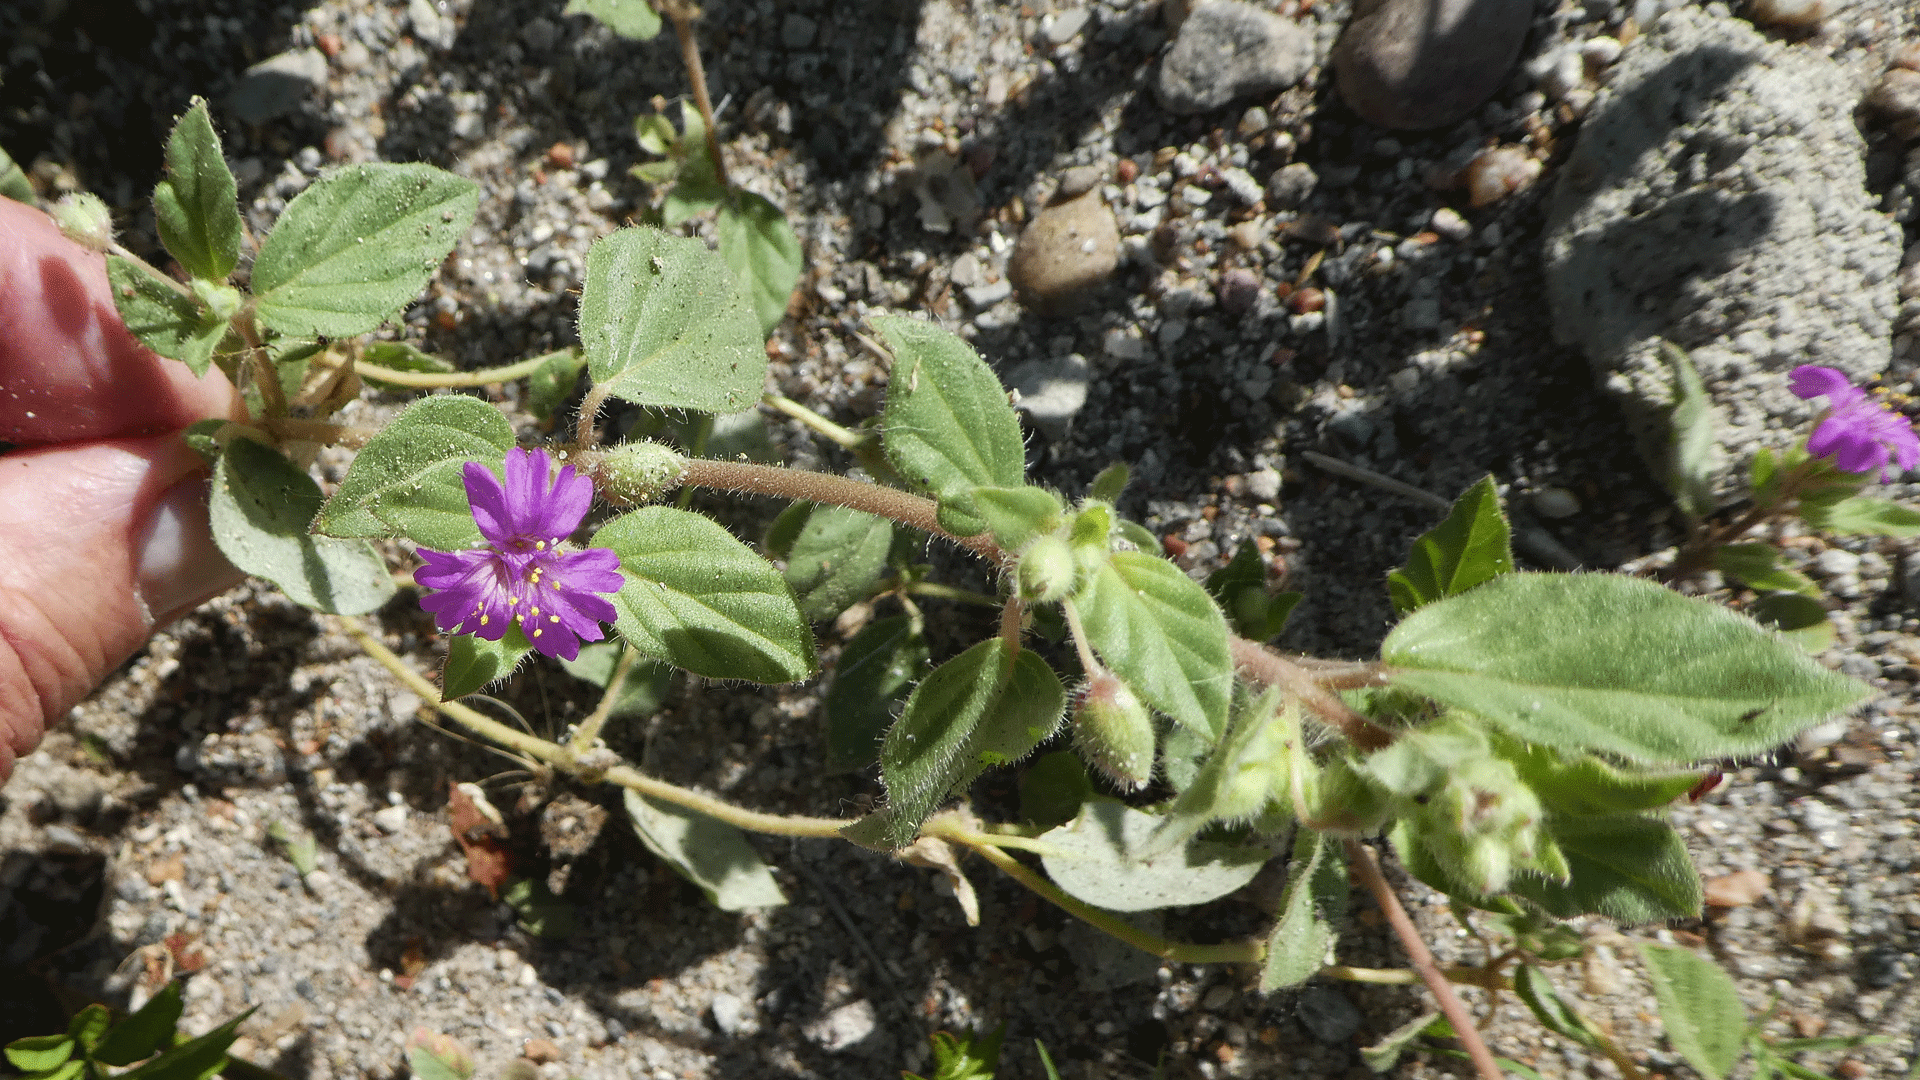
[{"x": 179, "y": 566}]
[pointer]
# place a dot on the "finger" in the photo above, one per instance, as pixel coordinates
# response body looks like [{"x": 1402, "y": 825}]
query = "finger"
[
  {"x": 104, "y": 542},
  {"x": 69, "y": 370}
]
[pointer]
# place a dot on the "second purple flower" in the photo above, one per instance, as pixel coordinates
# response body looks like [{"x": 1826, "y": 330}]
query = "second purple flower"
[
  {"x": 1859, "y": 433},
  {"x": 523, "y": 574}
]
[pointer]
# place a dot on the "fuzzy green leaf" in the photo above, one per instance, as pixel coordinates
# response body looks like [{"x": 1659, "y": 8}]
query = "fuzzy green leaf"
[
  {"x": 1315, "y": 896},
  {"x": 947, "y": 427},
  {"x": 1699, "y": 1006},
  {"x": 973, "y": 712},
  {"x": 837, "y": 559},
  {"x": 875, "y": 671},
  {"x": 552, "y": 383},
  {"x": 261, "y": 507},
  {"x": 1632, "y": 868},
  {"x": 1587, "y": 785},
  {"x": 176, "y": 326},
  {"x": 664, "y": 323},
  {"x": 474, "y": 662},
  {"x": 407, "y": 480},
  {"x": 1053, "y": 788},
  {"x": 696, "y": 182},
  {"x": 699, "y": 599},
  {"x": 40, "y": 1053},
  {"x": 141, "y": 1035},
  {"x": 1470, "y": 547},
  {"x": 1613, "y": 664},
  {"x": 87, "y": 1026},
  {"x": 1693, "y": 448},
  {"x": 1758, "y": 565},
  {"x": 1540, "y": 996},
  {"x": 1862, "y": 516},
  {"x": 635, "y": 20},
  {"x": 1801, "y": 618},
  {"x": 1098, "y": 858},
  {"x": 709, "y": 852},
  {"x": 763, "y": 253},
  {"x": 1161, "y": 633},
  {"x": 1013, "y": 515},
  {"x": 358, "y": 245},
  {"x": 1240, "y": 587},
  {"x": 198, "y": 1059},
  {"x": 1383, "y": 1055},
  {"x": 195, "y": 207}
]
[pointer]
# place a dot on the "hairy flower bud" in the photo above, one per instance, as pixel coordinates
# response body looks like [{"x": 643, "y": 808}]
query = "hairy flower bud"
[
  {"x": 1114, "y": 732},
  {"x": 84, "y": 219},
  {"x": 1483, "y": 823},
  {"x": 1047, "y": 570},
  {"x": 636, "y": 472}
]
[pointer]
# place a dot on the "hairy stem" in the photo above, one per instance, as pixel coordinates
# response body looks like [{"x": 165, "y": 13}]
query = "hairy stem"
[
  {"x": 564, "y": 759},
  {"x": 589, "y": 729},
  {"x": 430, "y": 380},
  {"x": 891, "y": 503},
  {"x": 589, "y": 412},
  {"x": 682, "y": 16},
  {"x": 1178, "y": 951},
  {"x": 1367, "y": 865},
  {"x": 273, "y": 400},
  {"x": 1261, "y": 665},
  {"x": 116, "y": 249},
  {"x": 351, "y": 436}
]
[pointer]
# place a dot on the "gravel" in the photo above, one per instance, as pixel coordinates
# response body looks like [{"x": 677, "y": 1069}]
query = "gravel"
[{"x": 1393, "y": 323}]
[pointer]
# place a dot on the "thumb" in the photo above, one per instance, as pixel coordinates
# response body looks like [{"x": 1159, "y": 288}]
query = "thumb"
[{"x": 105, "y": 541}]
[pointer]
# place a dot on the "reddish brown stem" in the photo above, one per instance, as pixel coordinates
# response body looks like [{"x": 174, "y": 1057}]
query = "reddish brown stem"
[{"x": 1261, "y": 665}]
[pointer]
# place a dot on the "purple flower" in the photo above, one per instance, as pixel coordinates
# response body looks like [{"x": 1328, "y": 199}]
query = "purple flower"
[
  {"x": 523, "y": 573},
  {"x": 1859, "y": 433}
]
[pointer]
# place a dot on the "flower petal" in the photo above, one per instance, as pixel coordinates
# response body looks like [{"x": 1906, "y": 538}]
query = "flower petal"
[
  {"x": 1812, "y": 381},
  {"x": 489, "y": 502},
  {"x": 527, "y": 473},
  {"x": 566, "y": 505}
]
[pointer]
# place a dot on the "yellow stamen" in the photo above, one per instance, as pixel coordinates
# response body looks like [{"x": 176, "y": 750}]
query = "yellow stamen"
[
  {"x": 553, "y": 618},
  {"x": 539, "y": 545},
  {"x": 512, "y": 600},
  {"x": 483, "y": 620},
  {"x": 536, "y": 633}
]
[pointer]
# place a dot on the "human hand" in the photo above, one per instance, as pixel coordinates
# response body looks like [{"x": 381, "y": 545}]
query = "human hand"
[{"x": 103, "y": 506}]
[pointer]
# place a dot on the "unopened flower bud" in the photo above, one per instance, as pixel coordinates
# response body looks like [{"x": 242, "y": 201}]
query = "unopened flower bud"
[
  {"x": 1114, "y": 732},
  {"x": 222, "y": 300},
  {"x": 1047, "y": 570},
  {"x": 636, "y": 472},
  {"x": 84, "y": 219}
]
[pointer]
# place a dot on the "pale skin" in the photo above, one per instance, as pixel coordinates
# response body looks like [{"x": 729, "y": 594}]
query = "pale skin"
[{"x": 103, "y": 533}]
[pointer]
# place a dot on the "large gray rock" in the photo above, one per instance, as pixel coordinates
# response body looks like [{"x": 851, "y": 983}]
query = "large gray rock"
[
  {"x": 1717, "y": 199},
  {"x": 1227, "y": 49},
  {"x": 1414, "y": 64},
  {"x": 278, "y": 85}
]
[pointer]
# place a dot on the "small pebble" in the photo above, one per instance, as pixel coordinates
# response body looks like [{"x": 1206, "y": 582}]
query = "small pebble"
[
  {"x": 1555, "y": 502},
  {"x": 1793, "y": 12},
  {"x": 1448, "y": 223},
  {"x": 1227, "y": 49},
  {"x": 1498, "y": 173},
  {"x": 1238, "y": 290},
  {"x": 1327, "y": 1014},
  {"x": 1064, "y": 254},
  {"x": 1738, "y": 889},
  {"x": 1288, "y": 187}
]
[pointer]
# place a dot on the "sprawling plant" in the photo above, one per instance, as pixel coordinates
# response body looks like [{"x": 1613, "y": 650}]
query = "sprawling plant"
[{"x": 1517, "y": 742}]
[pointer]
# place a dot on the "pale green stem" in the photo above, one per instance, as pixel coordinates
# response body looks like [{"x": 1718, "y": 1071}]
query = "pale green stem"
[
  {"x": 116, "y": 249},
  {"x": 430, "y": 380},
  {"x": 843, "y": 437},
  {"x": 320, "y": 431},
  {"x": 564, "y": 758},
  {"x": 1088, "y": 664},
  {"x": 589, "y": 729},
  {"x": 937, "y": 591},
  {"x": 273, "y": 400}
]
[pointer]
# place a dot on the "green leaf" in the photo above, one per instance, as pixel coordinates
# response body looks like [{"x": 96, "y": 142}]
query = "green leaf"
[
  {"x": 1802, "y": 618},
  {"x": 88, "y": 1025},
  {"x": 1046, "y": 1060},
  {"x": 1382, "y": 1056},
  {"x": 1699, "y": 1006},
  {"x": 1315, "y": 896},
  {"x": 198, "y": 1059},
  {"x": 195, "y": 207},
  {"x": 1537, "y": 991},
  {"x": 947, "y": 425},
  {"x": 1014, "y": 515},
  {"x": 14, "y": 183},
  {"x": 634, "y": 20},
  {"x": 474, "y": 662},
  {"x": 552, "y": 383},
  {"x": 1862, "y": 516},
  {"x": 540, "y": 912},
  {"x": 1470, "y": 547},
  {"x": 357, "y": 246},
  {"x": 1632, "y": 868},
  {"x": 1240, "y": 587},
  {"x": 1693, "y": 447},
  {"x": 875, "y": 671},
  {"x": 1758, "y": 565},
  {"x": 1097, "y": 858},
  {"x": 968, "y": 1056},
  {"x": 434, "y": 1056},
  {"x": 407, "y": 480},
  {"x": 641, "y": 692},
  {"x": 141, "y": 1035},
  {"x": 1108, "y": 485},
  {"x": 40, "y": 1053},
  {"x": 1613, "y": 664},
  {"x": 697, "y": 187},
  {"x": 69, "y": 1071},
  {"x": 1161, "y": 633},
  {"x": 663, "y": 323},
  {"x": 1139, "y": 536},
  {"x": 1764, "y": 476},
  {"x": 170, "y": 323},
  {"x": 699, "y": 599},
  {"x": 976, "y": 711},
  {"x": 706, "y": 851},
  {"x": 260, "y": 509},
  {"x": 837, "y": 559},
  {"x": 1053, "y": 788},
  {"x": 1588, "y": 785},
  {"x": 763, "y": 253},
  {"x": 1238, "y": 781},
  {"x": 303, "y": 852}
]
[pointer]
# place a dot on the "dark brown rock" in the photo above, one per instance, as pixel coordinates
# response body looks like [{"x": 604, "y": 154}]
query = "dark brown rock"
[{"x": 1415, "y": 64}]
